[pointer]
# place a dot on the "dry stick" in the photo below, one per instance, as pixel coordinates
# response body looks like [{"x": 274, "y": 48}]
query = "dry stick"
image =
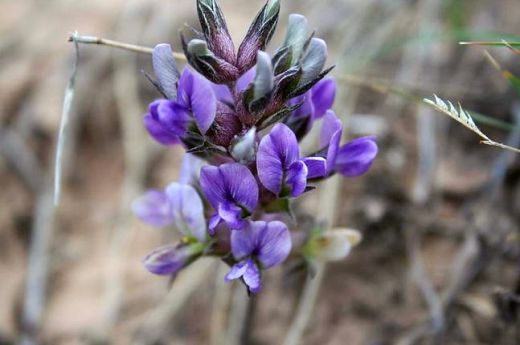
[
  {"x": 120, "y": 45},
  {"x": 43, "y": 232},
  {"x": 221, "y": 300}
]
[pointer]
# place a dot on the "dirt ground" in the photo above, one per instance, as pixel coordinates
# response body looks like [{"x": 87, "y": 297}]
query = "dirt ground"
[{"x": 440, "y": 214}]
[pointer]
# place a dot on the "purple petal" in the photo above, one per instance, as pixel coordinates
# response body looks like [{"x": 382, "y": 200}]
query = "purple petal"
[
  {"x": 187, "y": 210},
  {"x": 222, "y": 93},
  {"x": 356, "y": 157},
  {"x": 276, "y": 152},
  {"x": 316, "y": 167},
  {"x": 196, "y": 93},
  {"x": 214, "y": 221},
  {"x": 244, "y": 242},
  {"x": 153, "y": 208},
  {"x": 323, "y": 95},
  {"x": 229, "y": 183},
  {"x": 190, "y": 169},
  {"x": 165, "y": 69},
  {"x": 241, "y": 185},
  {"x": 232, "y": 215},
  {"x": 296, "y": 178},
  {"x": 252, "y": 277},
  {"x": 166, "y": 260},
  {"x": 173, "y": 117},
  {"x": 236, "y": 271},
  {"x": 331, "y": 132},
  {"x": 274, "y": 244},
  {"x": 158, "y": 132},
  {"x": 246, "y": 79},
  {"x": 306, "y": 110}
]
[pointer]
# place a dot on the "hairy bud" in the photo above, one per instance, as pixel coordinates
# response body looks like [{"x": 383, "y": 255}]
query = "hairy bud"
[
  {"x": 259, "y": 34},
  {"x": 215, "y": 30},
  {"x": 244, "y": 148},
  {"x": 333, "y": 245}
]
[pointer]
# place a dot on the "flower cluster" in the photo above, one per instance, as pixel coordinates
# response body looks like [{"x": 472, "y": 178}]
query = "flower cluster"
[{"x": 240, "y": 116}]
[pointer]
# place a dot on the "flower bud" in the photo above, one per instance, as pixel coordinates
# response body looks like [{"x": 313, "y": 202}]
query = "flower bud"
[
  {"x": 259, "y": 34},
  {"x": 244, "y": 148},
  {"x": 206, "y": 63},
  {"x": 313, "y": 61},
  {"x": 296, "y": 36},
  {"x": 333, "y": 245},
  {"x": 215, "y": 30},
  {"x": 169, "y": 260}
]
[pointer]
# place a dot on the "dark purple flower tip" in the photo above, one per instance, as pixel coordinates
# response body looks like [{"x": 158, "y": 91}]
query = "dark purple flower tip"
[
  {"x": 259, "y": 34},
  {"x": 232, "y": 190},
  {"x": 269, "y": 242},
  {"x": 196, "y": 94},
  {"x": 169, "y": 260},
  {"x": 153, "y": 208},
  {"x": 323, "y": 95},
  {"x": 249, "y": 272},
  {"x": 356, "y": 157},
  {"x": 215, "y": 30},
  {"x": 166, "y": 70},
  {"x": 276, "y": 152},
  {"x": 330, "y": 138}
]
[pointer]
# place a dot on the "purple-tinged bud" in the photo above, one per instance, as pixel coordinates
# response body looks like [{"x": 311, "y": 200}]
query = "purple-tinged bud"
[
  {"x": 206, "y": 63},
  {"x": 259, "y": 34},
  {"x": 215, "y": 30},
  {"x": 226, "y": 126},
  {"x": 244, "y": 147},
  {"x": 166, "y": 70},
  {"x": 169, "y": 260}
]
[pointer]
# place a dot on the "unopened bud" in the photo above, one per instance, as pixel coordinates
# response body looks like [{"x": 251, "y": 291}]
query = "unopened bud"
[
  {"x": 169, "y": 260},
  {"x": 259, "y": 34},
  {"x": 313, "y": 61},
  {"x": 297, "y": 35},
  {"x": 215, "y": 30},
  {"x": 208, "y": 64},
  {"x": 244, "y": 148}
]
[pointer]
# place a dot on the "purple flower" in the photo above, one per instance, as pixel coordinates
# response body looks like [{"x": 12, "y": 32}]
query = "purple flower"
[
  {"x": 224, "y": 94},
  {"x": 356, "y": 157},
  {"x": 232, "y": 191},
  {"x": 260, "y": 245},
  {"x": 314, "y": 105},
  {"x": 279, "y": 166},
  {"x": 168, "y": 260},
  {"x": 179, "y": 204},
  {"x": 330, "y": 138},
  {"x": 168, "y": 121}
]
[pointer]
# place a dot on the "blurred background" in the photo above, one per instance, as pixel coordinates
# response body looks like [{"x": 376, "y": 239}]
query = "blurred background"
[{"x": 440, "y": 259}]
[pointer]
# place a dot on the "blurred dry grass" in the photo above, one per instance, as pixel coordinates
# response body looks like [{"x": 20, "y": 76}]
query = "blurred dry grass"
[{"x": 440, "y": 214}]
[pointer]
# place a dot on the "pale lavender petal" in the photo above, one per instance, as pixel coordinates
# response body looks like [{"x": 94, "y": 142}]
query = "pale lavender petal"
[
  {"x": 214, "y": 221},
  {"x": 276, "y": 152},
  {"x": 158, "y": 132},
  {"x": 252, "y": 277},
  {"x": 331, "y": 133},
  {"x": 232, "y": 215},
  {"x": 274, "y": 244},
  {"x": 222, "y": 93},
  {"x": 296, "y": 178},
  {"x": 316, "y": 167},
  {"x": 356, "y": 157},
  {"x": 236, "y": 271},
  {"x": 153, "y": 208},
  {"x": 187, "y": 210},
  {"x": 190, "y": 169},
  {"x": 323, "y": 95},
  {"x": 241, "y": 185},
  {"x": 165, "y": 69},
  {"x": 185, "y": 87},
  {"x": 166, "y": 260}
]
